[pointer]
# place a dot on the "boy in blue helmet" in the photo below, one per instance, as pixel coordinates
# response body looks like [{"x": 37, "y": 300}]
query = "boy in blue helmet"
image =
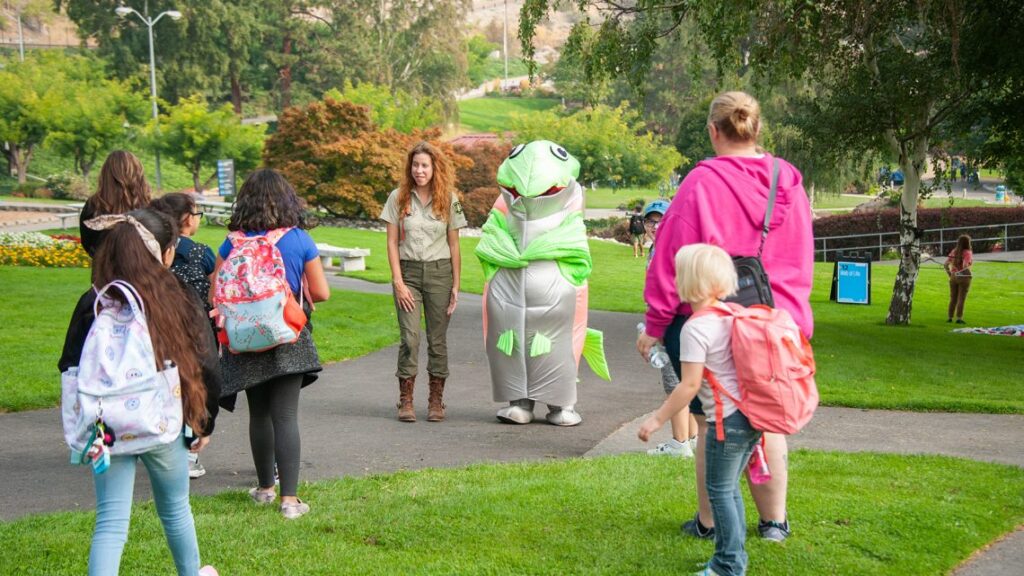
[{"x": 684, "y": 427}]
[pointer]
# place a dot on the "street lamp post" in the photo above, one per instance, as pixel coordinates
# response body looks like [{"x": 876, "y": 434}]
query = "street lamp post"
[{"x": 123, "y": 12}]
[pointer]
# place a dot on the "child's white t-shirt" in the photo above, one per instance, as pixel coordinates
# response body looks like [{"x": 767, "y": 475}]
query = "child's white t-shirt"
[{"x": 707, "y": 339}]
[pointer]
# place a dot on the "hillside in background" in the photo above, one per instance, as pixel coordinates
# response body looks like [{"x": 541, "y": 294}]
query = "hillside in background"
[{"x": 53, "y": 31}]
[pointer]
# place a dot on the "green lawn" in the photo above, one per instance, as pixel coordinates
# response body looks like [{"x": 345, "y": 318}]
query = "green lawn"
[
  {"x": 350, "y": 324},
  {"x": 851, "y": 514},
  {"x": 494, "y": 114},
  {"x": 605, "y": 197},
  {"x": 845, "y": 201},
  {"x": 861, "y": 362},
  {"x": 834, "y": 201}
]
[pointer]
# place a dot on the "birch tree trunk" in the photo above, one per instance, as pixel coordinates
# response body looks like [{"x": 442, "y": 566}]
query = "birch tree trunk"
[
  {"x": 20, "y": 157},
  {"x": 913, "y": 158}
]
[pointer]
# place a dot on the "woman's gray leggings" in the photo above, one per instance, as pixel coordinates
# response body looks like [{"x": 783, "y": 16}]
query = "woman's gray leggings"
[{"x": 274, "y": 431}]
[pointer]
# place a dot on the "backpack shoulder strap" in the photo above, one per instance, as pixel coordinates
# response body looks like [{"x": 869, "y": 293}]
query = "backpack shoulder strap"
[
  {"x": 131, "y": 296},
  {"x": 771, "y": 205},
  {"x": 726, "y": 309},
  {"x": 275, "y": 235},
  {"x": 236, "y": 238},
  {"x": 717, "y": 390}
]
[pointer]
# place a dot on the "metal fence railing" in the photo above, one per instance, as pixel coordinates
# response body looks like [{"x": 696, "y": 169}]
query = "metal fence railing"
[{"x": 936, "y": 241}]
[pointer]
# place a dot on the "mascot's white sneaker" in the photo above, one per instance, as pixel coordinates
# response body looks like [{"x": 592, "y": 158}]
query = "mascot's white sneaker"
[
  {"x": 563, "y": 416},
  {"x": 517, "y": 412}
]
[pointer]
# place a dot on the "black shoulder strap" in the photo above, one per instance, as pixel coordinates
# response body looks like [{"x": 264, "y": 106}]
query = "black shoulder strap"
[{"x": 771, "y": 205}]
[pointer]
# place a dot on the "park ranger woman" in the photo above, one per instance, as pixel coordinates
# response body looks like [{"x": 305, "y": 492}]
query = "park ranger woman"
[{"x": 423, "y": 217}]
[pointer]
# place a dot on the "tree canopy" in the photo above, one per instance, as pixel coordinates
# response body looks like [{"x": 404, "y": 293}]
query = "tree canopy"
[
  {"x": 195, "y": 136},
  {"x": 611, "y": 144},
  {"x": 886, "y": 76}
]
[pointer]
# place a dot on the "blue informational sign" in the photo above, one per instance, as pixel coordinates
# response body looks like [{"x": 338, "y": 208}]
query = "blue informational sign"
[
  {"x": 225, "y": 177},
  {"x": 854, "y": 282}
]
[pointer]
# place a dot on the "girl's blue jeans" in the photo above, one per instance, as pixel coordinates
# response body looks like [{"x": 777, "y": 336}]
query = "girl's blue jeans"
[
  {"x": 167, "y": 466},
  {"x": 724, "y": 462}
]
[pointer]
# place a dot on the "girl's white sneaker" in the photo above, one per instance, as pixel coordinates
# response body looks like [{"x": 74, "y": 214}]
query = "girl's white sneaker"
[{"x": 672, "y": 448}]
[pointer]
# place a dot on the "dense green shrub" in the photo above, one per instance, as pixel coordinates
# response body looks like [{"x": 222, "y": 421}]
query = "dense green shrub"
[
  {"x": 66, "y": 186},
  {"x": 609, "y": 228}
]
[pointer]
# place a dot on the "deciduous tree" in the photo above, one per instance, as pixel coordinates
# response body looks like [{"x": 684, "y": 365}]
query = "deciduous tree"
[
  {"x": 338, "y": 160},
  {"x": 611, "y": 144},
  {"x": 195, "y": 136},
  {"x": 890, "y": 74},
  {"x": 391, "y": 109}
]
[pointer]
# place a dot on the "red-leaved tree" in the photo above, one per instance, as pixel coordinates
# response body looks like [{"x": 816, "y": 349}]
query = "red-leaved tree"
[
  {"x": 478, "y": 182},
  {"x": 338, "y": 160}
]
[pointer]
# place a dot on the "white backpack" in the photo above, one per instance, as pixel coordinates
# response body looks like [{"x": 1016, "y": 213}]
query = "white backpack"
[{"x": 117, "y": 381}]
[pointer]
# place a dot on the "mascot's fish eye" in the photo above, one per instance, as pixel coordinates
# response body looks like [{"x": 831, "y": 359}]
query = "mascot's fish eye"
[{"x": 536, "y": 261}]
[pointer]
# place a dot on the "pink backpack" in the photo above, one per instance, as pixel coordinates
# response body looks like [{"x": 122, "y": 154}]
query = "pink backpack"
[
  {"x": 256, "y": 310},
  {"x": 774, "y": 368}
]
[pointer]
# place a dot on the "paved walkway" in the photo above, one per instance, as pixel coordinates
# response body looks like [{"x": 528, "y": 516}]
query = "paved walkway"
[{"x": 349, "y": 429}]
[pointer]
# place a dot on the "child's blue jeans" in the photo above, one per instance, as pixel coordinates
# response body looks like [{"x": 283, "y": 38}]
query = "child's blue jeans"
[
  {"x": 167, "y": 466},
  {"x": 724, "y": 462}
]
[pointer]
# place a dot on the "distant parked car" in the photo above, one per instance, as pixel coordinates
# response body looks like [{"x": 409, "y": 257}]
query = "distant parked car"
[{"x": 897, "y": 178}]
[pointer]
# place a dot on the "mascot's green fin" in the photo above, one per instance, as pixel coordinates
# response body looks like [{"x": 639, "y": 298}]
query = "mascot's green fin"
[
  {"x": 593, "y": 351},
  {"x": 507, "y": 342},
  {"x": 541, "y": 345}
]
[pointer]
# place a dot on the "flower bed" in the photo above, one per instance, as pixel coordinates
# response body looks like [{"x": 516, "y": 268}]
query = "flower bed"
[{"x": 35, "y": 249}]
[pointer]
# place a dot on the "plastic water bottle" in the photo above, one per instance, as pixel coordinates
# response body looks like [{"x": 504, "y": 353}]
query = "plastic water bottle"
[
  {"x": 658, "y": 355},
  {"x": 758, "y": 466}
]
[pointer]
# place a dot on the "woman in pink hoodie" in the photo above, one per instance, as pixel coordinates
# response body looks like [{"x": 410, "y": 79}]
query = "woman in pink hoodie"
[{"x": 722, "y": 201}]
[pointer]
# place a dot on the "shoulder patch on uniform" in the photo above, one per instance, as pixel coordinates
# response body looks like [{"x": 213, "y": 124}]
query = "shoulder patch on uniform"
[{"x": 457, "y": 206}]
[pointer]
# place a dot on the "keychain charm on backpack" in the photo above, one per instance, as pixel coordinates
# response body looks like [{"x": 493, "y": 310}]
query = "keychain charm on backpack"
[{"x": 98, "y": 454}]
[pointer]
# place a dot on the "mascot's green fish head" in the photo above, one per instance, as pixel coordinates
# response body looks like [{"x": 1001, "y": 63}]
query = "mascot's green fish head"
[{"x": 536, "y": 169}]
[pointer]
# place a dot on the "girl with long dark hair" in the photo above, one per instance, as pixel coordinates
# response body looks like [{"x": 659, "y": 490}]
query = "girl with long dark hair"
[
  {"x": 140, "y": 247},
  {"x": 193, "y": 264}
]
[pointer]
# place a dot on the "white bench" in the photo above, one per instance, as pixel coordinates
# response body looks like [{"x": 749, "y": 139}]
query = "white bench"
[
  {"x": 352, "y": 259},
  {"x": 215, "y": 211},
  {"x": 65, "y": 216}
]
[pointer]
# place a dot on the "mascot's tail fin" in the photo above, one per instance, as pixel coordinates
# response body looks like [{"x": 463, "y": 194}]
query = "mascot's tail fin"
[{"x": 593, "y": 351}]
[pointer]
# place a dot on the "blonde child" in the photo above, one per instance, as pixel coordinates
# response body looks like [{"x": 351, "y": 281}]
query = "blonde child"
[{"x": 704, "y": 276}]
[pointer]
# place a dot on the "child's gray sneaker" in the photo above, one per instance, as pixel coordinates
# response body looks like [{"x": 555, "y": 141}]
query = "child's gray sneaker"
[
  {"x": 293, "y": 510},
  {"x": 773, "y": 531},
  {"x": 261, "y": 496},
  {"x": 696, "y": 529}
]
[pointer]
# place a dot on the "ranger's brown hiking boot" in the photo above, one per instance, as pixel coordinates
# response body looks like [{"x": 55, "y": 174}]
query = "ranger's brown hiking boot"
[
  {"x": 406, "y": 413},
  {"x": 435, "y": 407}
]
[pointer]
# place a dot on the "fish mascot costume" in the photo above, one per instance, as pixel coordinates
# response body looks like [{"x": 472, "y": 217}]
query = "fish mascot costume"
[{"x": 536, "y": 261}]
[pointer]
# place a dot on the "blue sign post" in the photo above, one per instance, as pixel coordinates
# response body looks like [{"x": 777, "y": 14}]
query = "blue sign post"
[
  {"x": 851, "y": 280},
  {"x": 226, "y": 177}
]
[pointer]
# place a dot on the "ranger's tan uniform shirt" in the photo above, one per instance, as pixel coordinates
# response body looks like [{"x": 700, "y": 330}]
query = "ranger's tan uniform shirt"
[{"x": 421, "y": 236}]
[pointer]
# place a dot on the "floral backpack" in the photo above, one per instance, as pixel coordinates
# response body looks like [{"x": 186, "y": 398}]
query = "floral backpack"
[
  {"x": 117, "y": 390},
  {"x": 774, "y": 367},
  {"x": 255, "y": 308}
]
